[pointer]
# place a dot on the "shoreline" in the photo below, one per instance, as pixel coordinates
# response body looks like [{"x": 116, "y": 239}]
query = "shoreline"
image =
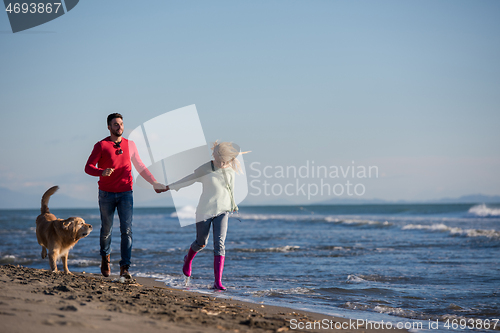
[{"x": 39, "y": 300}]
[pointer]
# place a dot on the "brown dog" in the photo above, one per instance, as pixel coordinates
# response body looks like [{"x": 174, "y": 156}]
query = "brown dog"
[{"x": 58, "y": 235}]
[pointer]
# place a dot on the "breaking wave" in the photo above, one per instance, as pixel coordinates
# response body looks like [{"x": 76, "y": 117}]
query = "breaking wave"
[
  {"x": 484, "y": 211},
  {"x": 454, "y": 230},
  {"x": 356, "y": 221},
  {"x": 278, "y": 292},
  {"x": 286, "y": 248},
  {"x": 186, "y": 212}
]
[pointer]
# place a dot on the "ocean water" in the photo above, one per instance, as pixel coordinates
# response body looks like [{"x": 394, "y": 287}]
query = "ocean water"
[{"x": 398, "y": 263}]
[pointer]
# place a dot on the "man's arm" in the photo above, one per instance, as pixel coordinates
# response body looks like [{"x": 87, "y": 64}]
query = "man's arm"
[
  {"x": 90, "y": 166},
  {"x": 141, "y": 168}
]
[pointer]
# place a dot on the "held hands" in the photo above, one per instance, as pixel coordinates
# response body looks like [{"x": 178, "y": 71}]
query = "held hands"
[{"x": 159, "y": 188}]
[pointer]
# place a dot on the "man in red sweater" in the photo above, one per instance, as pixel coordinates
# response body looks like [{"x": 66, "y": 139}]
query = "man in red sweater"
[{"x": 110, "y": 160}]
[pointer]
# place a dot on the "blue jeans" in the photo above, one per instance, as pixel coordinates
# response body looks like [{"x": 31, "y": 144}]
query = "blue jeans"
[
  {"x": 124, "y": 202},
  {"x": 220, "y": 230}
]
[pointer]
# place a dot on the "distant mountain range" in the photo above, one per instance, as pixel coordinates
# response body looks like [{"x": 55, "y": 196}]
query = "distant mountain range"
[
  {"x": 472, "y": 199},
  {"x": 16, "y": 200}
]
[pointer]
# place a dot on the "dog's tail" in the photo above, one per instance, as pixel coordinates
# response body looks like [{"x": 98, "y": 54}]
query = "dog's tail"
[{"x": 46, "y": 197}]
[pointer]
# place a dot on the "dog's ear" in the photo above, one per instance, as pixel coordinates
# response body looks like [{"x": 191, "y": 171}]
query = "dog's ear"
[{"x": 66, "y": 224}]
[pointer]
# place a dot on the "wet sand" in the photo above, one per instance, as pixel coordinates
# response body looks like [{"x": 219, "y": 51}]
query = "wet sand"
[{"x": 35, "y": 300}]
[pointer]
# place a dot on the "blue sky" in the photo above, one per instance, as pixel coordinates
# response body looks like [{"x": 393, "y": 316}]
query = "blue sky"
[{"x": 412, "y": 87}]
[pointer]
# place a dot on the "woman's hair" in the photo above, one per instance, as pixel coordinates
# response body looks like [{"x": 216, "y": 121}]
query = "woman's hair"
[{"x": 227, "y": 153}]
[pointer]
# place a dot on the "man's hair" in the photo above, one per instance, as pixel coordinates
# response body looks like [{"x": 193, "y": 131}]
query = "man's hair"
[{"x": 113, "y": 116}]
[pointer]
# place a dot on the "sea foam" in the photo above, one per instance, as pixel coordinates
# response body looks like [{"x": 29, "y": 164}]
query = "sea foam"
[
  {"x": 454, "y": 230},
  {"x": 484, "y": 211},
  {"x": 186, "y": 212},
  {"x": 286, "y": 248}
]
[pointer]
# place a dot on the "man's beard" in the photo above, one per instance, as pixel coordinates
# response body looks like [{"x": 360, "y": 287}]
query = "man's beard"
[{"x": 115, "y": 133}]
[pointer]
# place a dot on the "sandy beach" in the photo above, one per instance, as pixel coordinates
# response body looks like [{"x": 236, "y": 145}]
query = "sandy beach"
[{"x": 39, "y": 300}]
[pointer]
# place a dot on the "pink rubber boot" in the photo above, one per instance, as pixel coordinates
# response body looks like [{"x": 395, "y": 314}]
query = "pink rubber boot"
[
  {"x": 218, "y": 268},
  {"x": 188, "y": 259}
]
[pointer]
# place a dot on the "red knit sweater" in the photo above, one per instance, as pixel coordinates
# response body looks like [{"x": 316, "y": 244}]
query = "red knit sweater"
[{"x": 104, "y": 155}]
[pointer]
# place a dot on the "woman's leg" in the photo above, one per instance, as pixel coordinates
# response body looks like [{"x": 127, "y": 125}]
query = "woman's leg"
[
  {"x": 202, "y": 232},
  {"x": 220, "y": 231},
  {"x": 188, "y": 260}
]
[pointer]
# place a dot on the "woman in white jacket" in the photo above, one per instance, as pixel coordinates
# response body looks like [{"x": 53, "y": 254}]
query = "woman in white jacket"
[{"x": 216, "y": 202}]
